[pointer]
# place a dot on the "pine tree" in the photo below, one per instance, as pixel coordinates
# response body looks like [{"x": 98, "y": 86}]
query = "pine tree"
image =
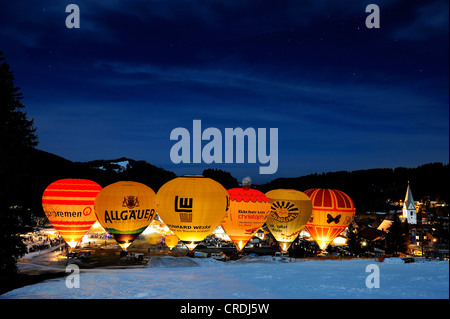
[
  {"x": 354, "y": 240},
  {"x": 396, "y": 238},
  {"x": 17, "y": 136}
]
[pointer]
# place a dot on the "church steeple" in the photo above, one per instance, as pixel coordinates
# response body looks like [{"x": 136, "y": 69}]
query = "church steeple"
[{"x": 409, "y": 208}]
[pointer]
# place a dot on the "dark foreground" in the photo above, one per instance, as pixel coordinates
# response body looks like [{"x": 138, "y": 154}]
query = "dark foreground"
[
  {"x": 49, "y": 264},
  {"x": 22, "y": 279}
]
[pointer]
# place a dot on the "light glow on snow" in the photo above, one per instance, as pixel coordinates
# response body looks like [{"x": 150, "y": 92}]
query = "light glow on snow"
[{"x": 257, "y": 277}]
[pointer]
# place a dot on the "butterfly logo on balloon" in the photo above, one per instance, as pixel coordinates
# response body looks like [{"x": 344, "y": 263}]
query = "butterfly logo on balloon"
[{"x": 331, "y": 219}]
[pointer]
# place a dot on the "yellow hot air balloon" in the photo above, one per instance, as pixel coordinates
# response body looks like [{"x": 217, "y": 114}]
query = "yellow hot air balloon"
[
  {"x": 171, "y": 241},
  {"x": 192, "y": 206},
  {"x": 248, "y": 211},
  {"x": 69, "y": 206},
  {"x": 125, "y": 209},
  {"x": 153, "y": 238},
  {"x": 333, "y": 211},
  {"x": 290, "y": 210}
]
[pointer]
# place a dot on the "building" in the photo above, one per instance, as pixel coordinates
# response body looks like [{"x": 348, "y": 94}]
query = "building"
[
  {"x": 409, "y": 208},
  {"x": 385, "y": 224},
  {"x": 422, "y": 242}
]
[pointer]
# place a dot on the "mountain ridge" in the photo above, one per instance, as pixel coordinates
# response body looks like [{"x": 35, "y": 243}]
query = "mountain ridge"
[{"x": 368, "y": 188}]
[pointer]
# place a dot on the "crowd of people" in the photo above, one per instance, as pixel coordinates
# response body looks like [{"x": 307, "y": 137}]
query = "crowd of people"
[{"x": 41, "y": 242}]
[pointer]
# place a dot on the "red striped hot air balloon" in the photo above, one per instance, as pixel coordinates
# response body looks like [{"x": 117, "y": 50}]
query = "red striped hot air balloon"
[
  {"x": 69, "y": 206},
  {"x": 333, "y": 211}
]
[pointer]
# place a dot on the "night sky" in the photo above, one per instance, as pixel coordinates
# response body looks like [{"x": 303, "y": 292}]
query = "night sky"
[{"x": 343, "y": 97}]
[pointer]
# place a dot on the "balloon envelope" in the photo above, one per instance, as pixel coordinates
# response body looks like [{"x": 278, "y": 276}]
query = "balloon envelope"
[
  {"x": 290, "y": 210},
  {"x": 153, "y": 238},
  {"x": 192, "y": 206},
  {"x": 171, "y": 241},
  {"x": 333, "y": 211},
  {"x": 125, "y": 209},
  {"x": 69, "y": 206},
  {"x": 248, "y": 211}
]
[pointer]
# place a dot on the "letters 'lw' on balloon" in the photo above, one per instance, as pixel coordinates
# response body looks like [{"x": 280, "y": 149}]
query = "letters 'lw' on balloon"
[
  {"x": 69, "y": 206},
  {"x": 192, "y": 206}
]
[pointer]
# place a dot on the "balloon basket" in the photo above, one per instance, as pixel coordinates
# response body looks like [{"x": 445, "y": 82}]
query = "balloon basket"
[
  {"x": 284, "y": 247},
  {"x": 191, "y": 244}
]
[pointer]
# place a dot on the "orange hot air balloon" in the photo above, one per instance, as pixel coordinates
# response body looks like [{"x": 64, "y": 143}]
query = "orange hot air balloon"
[
  {"x": 192, "y": 206},
  {"x": 171, "y": 241},
  {"x": 290, "y": 210},
  {"x": 248, "y": 211},
  {"x": 333, "y": 211},
  {"x": 125, "y": 209},
  {"x": 69, "y": 206}
]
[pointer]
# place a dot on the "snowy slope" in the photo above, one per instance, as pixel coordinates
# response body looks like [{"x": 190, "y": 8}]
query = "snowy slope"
[{"x": 169, "y": 277}]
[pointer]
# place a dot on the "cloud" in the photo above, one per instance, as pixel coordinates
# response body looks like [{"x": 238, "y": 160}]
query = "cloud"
[
  {"x": 428, "y": 20},
  {"x": 314, "y": 106},
  {"x": 137, "y": 69}
]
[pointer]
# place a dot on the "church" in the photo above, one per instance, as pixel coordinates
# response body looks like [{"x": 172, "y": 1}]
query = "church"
[{"x": 409, "y": 208}]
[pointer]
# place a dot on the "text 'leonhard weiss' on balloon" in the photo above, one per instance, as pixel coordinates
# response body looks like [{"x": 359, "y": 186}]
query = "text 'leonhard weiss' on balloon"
[{"x": 192, "y": 206}]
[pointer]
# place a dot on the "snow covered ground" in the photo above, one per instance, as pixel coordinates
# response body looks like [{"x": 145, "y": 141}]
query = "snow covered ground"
[{"x": 255, "y": 278}]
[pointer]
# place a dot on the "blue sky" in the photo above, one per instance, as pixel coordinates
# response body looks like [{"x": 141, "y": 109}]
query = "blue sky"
[{"x": 342, "y": 96}]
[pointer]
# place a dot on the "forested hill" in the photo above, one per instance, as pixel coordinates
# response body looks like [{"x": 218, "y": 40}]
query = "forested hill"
[
  {"x": 368, "y": 188},
  {"x": 371, "y": 188},
  {"x": 42, "y": 168}
]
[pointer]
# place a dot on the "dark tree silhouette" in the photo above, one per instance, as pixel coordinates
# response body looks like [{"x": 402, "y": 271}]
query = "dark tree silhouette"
[
  {"x": 17, "y": 137},
  {"x": 396, "y": 238},
  {"x": 354, "y": 240}
]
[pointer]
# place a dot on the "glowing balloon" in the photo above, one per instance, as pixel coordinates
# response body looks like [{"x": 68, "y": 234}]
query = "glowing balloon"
[
  {"x": 171, "y": 241},
  {"x": 333, "y": 211},
  {"x": 247, "y": 212},
  {"x": 125, "y": 209},
  {"x": 290, "y": 210},
  {"x": 192, "y": 206},
  {"x": 153, "y": 238},
  {"x": 69, "y": 206}
]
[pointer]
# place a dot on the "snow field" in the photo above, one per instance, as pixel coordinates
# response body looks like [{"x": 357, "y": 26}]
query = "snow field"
[{"x": 254, "y": 278}]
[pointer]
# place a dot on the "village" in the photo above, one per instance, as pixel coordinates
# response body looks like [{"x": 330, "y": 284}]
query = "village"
[{"x": 425, "y": 229}]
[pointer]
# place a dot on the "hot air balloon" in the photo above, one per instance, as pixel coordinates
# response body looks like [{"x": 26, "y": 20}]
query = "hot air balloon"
[
  {"x": 125, "y": 209},
  {"x": 192, "y": 206},
  {"x": 248, "y": 211},
  {"x": 69, "y": 206},
  {"x": 290, "y": 210},
  {"x": 153, "y": 238},
  {"x": 333, "y": 211},
  {"x": 171, "y": 241}
]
